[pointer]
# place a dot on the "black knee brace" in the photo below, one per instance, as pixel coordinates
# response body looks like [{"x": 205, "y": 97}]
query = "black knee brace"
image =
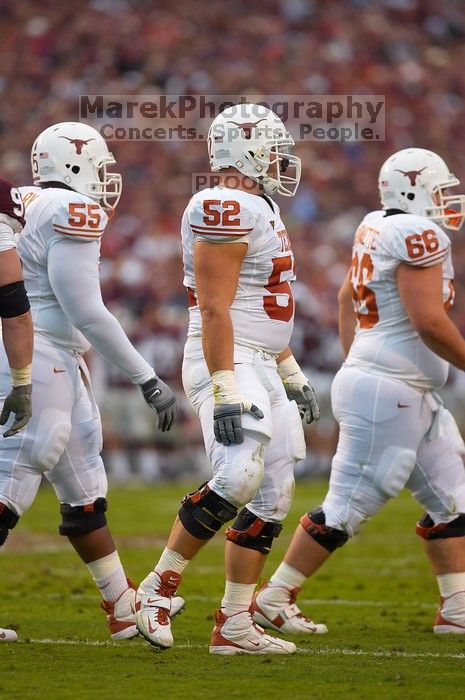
[
  {"x": 203, "y": 512},
  {"x": 250, "y": 531},
  {"x": 429, "y": 531},
  {"x": 80, "y": 520},
  {"x": 8, "y": 520},
  {"x": 328, "y": 537}
]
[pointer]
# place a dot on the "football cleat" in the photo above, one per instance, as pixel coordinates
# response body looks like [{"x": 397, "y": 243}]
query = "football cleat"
[
  {"x": 238, "y": 634},
  {"x": 155, "y": 605},
  {"x": 8, "y": 635},
  {"x": 450, "y": 618},
  {"x": 274, "y": 607},
  {"x": 121, "y": 613}
]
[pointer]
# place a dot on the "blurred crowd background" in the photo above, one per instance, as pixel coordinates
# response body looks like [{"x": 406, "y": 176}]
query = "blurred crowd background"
[{"x": 411, "y": 51}]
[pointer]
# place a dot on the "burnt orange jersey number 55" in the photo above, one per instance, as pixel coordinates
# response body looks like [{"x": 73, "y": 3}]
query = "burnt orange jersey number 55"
[{"x": 84, "y": 215}]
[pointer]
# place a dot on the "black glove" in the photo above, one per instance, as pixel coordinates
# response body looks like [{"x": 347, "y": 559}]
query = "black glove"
[
  {"x": 161, "y": 398},
  {"x": 227, "y": 422},
  {"x": 18, "y": 402}
]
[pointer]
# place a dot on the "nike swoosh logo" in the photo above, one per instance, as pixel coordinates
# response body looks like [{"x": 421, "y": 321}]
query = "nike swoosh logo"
[
  {"x": 402, "y": 405},
  {"x": 2, "y": 635},
  {"x": 58, "y": 371},
  {"x": 150, "y": 601}
]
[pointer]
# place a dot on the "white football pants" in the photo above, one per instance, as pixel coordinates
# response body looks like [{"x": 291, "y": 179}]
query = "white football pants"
[
  {"x": 391, "y": 436},
  {"x": 62, "y": 440},
  {"x": 258, "y": 473}
]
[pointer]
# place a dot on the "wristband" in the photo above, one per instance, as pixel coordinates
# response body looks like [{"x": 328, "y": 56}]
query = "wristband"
[
  {"x": 224, "y": 387},
  {"x": 21, "y": 377},
  {"x": 288, "y": 367}
]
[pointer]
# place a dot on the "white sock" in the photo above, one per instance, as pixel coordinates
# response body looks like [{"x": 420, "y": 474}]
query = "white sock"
[
  {"x": 109, "y": 576},
  {"x": 171, "y": 561},
  {"x": 451, "y": 583},
  {"x": 286, "y": 576},
  {"x": 237, "y": 597}
]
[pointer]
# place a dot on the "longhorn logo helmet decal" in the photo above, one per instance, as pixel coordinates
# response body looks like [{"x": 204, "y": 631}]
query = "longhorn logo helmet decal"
[
  {"x": 247, "y": 127},
  {"x": 411, "y": 174},
  {"x": 78, "y": 143}
]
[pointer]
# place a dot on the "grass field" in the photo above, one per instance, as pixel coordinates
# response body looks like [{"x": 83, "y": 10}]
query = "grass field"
[{"x": 376, "y": 595}]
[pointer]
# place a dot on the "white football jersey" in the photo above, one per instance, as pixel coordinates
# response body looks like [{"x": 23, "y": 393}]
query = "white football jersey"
[
  {"x": 385, "y": 341},
  {"x": 262, "y": 312},
  {"x": 51, "y": 214}
]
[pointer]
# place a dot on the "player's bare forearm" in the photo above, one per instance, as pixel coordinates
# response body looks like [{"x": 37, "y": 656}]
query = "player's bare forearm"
[
  {"x": 444, "y": 338},
  {"x": 217, "y": 339},
  {"x": 422, "y": 296},
  {"x": 18, "y": 340},
  {"x": 217, "y": 268},
  {"x": 347, "y": 317},
  {"x": 287, "y": 352}
]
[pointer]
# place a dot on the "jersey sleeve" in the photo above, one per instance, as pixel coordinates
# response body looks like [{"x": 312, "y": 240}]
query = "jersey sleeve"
[
  {"x": 220, "y": 220},
  {"x": 422, "y": 245},
  {"x": 11, "y": 206},
  {"x": 79, "y": 220}
]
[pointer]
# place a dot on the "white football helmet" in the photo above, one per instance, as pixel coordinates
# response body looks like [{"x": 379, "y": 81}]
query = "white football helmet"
[
  {"x": 254, "y": 140},
  {"x": 76, "y": 155},
  {"x": 416, "y": 181}
]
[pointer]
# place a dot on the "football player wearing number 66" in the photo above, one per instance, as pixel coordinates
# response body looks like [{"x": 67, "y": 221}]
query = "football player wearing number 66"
[
  {"x": 239, "y": 375},
  {"x": 66, "y": 215},
  {"x": 394, "y": 430}
]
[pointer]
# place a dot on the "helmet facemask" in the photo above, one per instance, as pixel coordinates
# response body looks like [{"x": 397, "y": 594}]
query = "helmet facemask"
[
  {"x": 107, "y": 188},
  {"x": 281, "y": 169},
  {"x": 448, "y": 209}
]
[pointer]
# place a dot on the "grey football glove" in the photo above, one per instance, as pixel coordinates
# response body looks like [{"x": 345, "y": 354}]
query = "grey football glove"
[
  {"x": 18, "y": 402},
  {"x": 162, "y": 400},
  {"x": 227, "y": 422},
  {"x": 299, "y": 389},
  {"x": 230, "y": 404}
]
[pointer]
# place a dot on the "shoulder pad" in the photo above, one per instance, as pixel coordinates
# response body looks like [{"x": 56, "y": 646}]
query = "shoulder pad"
[
  {"x": 220, "y": 216},
  {"x": 416, "y": 241},
  {"x": 79, "y": 218}
]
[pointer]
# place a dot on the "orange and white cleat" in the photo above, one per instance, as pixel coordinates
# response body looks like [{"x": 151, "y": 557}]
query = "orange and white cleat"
[
  {"x": 121, "y": 614},
  {"x": 450, "y": 618},
  {"x": 238, "y": 634},
  {"x": 274, "y": 607},
  {"x": 8, "y": 635},
  {"x": 156, "y": 604}
]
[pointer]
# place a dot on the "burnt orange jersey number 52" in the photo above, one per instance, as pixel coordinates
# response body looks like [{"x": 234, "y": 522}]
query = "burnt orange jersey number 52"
[{"x": 283, "y": 289}]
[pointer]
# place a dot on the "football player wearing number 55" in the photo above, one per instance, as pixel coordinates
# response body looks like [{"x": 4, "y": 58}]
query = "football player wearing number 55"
[
  {"x": 394, "y": 430},
  {"x": 239, "y": 375},
  {"x": 66, "y": 215}
]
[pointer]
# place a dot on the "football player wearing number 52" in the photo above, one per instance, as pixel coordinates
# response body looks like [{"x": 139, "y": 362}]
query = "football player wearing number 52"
[
  {"x": 66, "y": 215},
  {"x": 239, "y": 375},
  {"x": 394, "y": 429}
]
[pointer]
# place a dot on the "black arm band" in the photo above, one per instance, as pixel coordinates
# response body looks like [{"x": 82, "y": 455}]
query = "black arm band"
[{"x": 13, "y": 300}]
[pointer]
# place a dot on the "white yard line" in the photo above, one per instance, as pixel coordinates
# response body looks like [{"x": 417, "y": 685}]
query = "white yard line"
[{"x": 322, "y": 651}]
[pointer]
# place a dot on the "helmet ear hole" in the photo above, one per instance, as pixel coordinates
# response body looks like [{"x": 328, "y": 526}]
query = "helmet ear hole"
[
  {"x": 411, "y": 196},
  {"x": 75, "y": 169}
]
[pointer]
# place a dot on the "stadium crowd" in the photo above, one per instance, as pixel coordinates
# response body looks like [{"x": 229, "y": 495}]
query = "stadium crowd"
[{"x": 411, "y": 51}]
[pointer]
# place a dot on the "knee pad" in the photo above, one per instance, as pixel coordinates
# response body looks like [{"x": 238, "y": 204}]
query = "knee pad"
[
  {"x": 8, "y": 520},
  {"x": 429, "y": 531},
  {"x": 80, "y": 520},
  {"x": 52, "y": 437},
  {"x": 328, "y": 537},
  {"x": 203, "y": 512},
  {"x": 250, "y": 531}
]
